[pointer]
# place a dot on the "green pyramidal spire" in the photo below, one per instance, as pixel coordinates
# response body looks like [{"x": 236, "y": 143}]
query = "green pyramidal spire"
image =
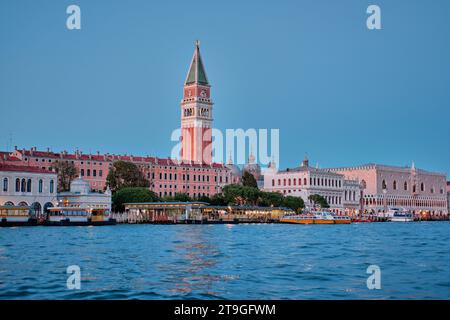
[{"x": 197, "y": 72}]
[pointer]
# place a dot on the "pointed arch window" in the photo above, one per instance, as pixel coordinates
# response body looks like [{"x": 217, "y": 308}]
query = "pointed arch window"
[
  {"x": 52, "y": 186},
  {"x": 40, "y": 185},
  {"x": 394, "y": 185},
  {"x": 383, "y": 185},
  {"x": 17, "y": 185},
  {"x": 422, "y": 187},
  {"x": 23, "y": 185},
  {"x": 29, "y": 185}
]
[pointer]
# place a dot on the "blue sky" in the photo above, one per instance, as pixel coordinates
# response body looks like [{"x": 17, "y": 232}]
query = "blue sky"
[{"x": 337, "y": 91}]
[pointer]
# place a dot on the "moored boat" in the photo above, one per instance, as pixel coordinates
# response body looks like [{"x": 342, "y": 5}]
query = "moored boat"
[
  {"x": 320, "y": 217},
  {"x": 397, "y": 215},
  {"x": 14, "y": 216},
  {"x": 76, "y": 216},
  {"x": 402, "y": 217}
]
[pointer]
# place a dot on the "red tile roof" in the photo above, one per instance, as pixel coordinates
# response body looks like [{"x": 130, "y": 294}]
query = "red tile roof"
[
  {"x": 112, "y": 157},
  {"x": 6, "y": 156},
  {"x": 19, "y": 168}
]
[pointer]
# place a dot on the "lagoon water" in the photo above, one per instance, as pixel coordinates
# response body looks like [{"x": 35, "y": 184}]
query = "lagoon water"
[{"x": 254, "y": 261}]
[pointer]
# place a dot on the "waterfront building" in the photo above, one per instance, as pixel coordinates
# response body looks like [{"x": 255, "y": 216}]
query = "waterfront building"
[
  {"x": 27, "y": 186},
  {"x": 198, "y": 212},
  {"x": 166, "y": 176},
  {"x": 81, "y": 196},
  {"x": 343, "y": 196},
  {"x": 384, "y": 186},
  {"x": 194, "y": 174}
]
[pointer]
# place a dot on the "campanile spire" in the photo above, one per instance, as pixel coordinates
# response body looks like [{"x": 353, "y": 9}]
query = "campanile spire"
[
  {"x": 196, "y": 113},
  {"x": 196, "y": 72}
]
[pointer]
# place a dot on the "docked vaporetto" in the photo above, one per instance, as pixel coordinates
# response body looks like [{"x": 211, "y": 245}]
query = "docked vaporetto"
[
  {"x": 73, "y": 216},
  {"x": 319, "y": 217},
  {"x": 13, "y": 216}
]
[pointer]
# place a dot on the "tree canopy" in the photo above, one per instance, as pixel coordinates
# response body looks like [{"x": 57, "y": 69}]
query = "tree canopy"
[
  {"x": 242, "y": 195},
  {"x": 123, "y": 174},
  {"x": 179, "y": 197},
  {"x": 294, "y": 203},
  {"x": 248, "y": 180},
  {"x": 130, "y": 195},
  {"x": 268, "y": 199},
  {"x": 319, "y": 200},
  {"x": 67, "y": 172}
]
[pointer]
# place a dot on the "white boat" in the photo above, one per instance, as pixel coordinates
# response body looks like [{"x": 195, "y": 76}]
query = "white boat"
[
  {"x": 75, "y": 216},
  {"x": 318, "y": 217},
  {"x": 397, "y": 215},
  {"x": 390, "y": 213},
  {"x": 402, "y": 217},
  {"x": 12, "y": 216}
]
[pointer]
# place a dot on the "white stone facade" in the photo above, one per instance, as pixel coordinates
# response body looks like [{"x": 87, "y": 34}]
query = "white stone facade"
[
  {"x": 352, "y": 196},
  {"x": 80, "y": 196},
  {"x": 27, "y": 186},
  {"x": 304, "y": 181}
]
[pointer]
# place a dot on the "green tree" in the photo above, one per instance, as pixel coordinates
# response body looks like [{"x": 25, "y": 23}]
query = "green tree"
[
  {"x": 248, "y": 180},
  {"x": 182, "y": 197},
  {"x": 240, "y": 195},
  {"x": 270, "y": 199},
  {"x": 67, "y": 172},
  {"x": 179, "y": 197},
  {"x": 204, "y": 199},
  {"x": 131, "y": 195},
  {"x": 123, "y": 174},
  {"x": 319, "y": 200},
  {"x": 294, "y": 203},
  {"x": 218, "y": 200}
]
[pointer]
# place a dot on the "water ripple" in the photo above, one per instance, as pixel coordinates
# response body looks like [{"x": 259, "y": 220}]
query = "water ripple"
[{"x": 227, "y": 262}]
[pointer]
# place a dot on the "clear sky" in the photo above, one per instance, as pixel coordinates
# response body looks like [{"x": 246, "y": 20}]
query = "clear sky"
[{"x": 341, "y": 93}]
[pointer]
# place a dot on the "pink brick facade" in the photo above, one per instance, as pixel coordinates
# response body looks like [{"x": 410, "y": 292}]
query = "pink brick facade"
[
  {"x": 414, "y": 189},
  {"x": 166, "y": 176}
]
